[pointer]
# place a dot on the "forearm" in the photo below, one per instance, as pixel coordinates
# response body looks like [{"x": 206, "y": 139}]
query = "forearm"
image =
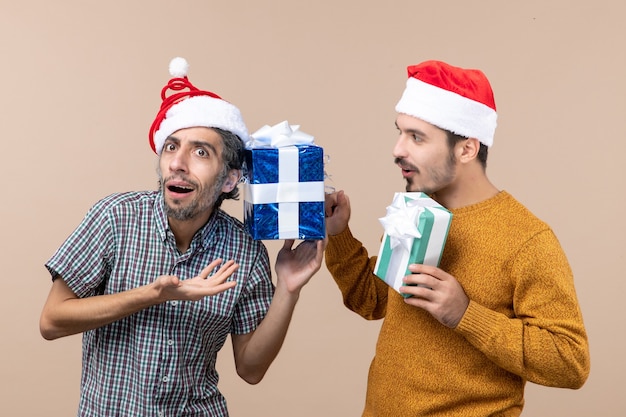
[
  {"x": 64, "y": 314},
  {"x": 254, "y": 353},
  {"x": 551, "y": 354},
  {"x": 353, "y": 271}
]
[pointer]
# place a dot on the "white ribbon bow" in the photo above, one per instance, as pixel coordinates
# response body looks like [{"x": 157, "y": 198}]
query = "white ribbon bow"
[
  {"x": 280, "y": 135},
  {"x": 401, "y": 222}
]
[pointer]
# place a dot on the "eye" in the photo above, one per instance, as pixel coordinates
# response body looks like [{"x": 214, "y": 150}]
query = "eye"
[
  {"x": 169, "y": 147},
  {"x": 416, "y": 138},
  {"x": 413, "y": 136},
  {"x": 201, "y": 152}
]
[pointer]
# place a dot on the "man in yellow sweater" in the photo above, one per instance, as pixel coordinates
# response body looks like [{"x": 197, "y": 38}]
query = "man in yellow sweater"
[{"x": 500, "y": 310}]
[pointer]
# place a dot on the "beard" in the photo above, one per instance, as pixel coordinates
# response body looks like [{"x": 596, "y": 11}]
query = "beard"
[
  {"x": 438, "y": 176},
  {"x": 204, "y": 200}
]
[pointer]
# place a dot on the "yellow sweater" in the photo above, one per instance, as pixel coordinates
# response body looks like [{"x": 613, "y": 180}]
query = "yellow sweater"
[{"x": 523, "y": 322}]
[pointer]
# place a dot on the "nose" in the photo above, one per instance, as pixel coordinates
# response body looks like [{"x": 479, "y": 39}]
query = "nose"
[
  {"x": 178, "y": 162},
  {"x": 400, "y": 149}
]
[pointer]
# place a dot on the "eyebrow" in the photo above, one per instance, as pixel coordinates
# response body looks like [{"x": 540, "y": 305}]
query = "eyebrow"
[{"x": 412, "y": 131}]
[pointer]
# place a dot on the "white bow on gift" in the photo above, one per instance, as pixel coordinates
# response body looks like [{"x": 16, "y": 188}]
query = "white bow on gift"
[
  {"x": 280, "y": 135},
  {"x": 401, "y": 222}
]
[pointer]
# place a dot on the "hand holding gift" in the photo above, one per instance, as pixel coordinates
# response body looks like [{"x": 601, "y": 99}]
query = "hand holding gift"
[{"x": 416, "y": 229}]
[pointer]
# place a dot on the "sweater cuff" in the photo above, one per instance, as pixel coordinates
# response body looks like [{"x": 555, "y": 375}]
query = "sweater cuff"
[
  {"x": 340, "y": 243},
  {"x": 478, "y": 323}
]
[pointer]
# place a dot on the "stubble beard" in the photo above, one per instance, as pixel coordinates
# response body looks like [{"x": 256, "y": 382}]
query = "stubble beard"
[
  {"x": 204, "y": 201},
  {"x": 440, "y": 177}
]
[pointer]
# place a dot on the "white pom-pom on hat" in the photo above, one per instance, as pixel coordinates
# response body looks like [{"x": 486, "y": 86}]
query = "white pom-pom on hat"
[{"x": 179, "y": 67}]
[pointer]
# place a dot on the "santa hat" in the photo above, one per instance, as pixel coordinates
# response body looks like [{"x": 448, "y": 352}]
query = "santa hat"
[
  {"x": 192, "y": 108},
  {"x": 451, "y": 98}
]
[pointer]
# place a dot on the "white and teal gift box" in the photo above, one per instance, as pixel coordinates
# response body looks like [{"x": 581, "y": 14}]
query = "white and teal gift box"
[
  {"x": 284, "y": 185},
  {"x": 416, "y": 229}
]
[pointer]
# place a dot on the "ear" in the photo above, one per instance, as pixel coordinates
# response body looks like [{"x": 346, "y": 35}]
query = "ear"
[
  {"x": 231, "y": 180},
  {"x": 468, "y": 150}
]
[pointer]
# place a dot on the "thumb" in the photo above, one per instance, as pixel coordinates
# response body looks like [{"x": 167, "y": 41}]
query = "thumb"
[
  {"x": 168, "y": 281},
  {"x": 342, "y": 200},
  {"x": 288, "y": 244}
]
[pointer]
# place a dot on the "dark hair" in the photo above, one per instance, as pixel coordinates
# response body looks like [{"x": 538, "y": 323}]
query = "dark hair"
[
  {"x": 232, "y": 157},
  {"x": 453, "y": 139}
]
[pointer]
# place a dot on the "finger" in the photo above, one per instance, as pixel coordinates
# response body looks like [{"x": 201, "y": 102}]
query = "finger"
[
  {"x": 168, "y": 281},
  {"x": 433, "y": 271},
  {"x": 225, "y": 270},
  {"x": 420, "y": 280},
  {"x": 332, "y": 202},
  {"x": 310, "y": 248},
  {"x": 321, "y": 245},
  {"x": 210, "y": 267},
  {"x": 222, "y": 287},
  {"x": 342, "y": 199},
  {"x": 417, "y": 291},
  {"x": 288, "y": 244}
]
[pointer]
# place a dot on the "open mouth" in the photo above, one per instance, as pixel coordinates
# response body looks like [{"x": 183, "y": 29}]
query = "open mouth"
[
  {"x": 406, "y": 170},
  {"x": 179, "y": 189}
]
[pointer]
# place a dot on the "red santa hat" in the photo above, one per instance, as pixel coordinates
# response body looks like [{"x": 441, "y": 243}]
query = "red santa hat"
[
  {"x": 451, "y": 98},
  {"x": 191, "y": 108}
]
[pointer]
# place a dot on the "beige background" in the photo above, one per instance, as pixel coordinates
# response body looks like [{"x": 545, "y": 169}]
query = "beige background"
[{"x": 81, "y": 84}]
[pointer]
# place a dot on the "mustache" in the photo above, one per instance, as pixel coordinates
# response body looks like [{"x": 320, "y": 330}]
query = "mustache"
[
  {"x": 402, "y": 163},
  {"x": 178, "y": 177}
]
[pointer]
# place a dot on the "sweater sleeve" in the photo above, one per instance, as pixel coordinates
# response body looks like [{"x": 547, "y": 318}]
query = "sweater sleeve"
[
  {"x": 353, "y": 271},
  {"x": 545, "y": 342}
]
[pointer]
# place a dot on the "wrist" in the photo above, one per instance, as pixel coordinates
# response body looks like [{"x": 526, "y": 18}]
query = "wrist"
[
  {"x": 288, "y": 291},
  {"x": 155, "y": 292}
]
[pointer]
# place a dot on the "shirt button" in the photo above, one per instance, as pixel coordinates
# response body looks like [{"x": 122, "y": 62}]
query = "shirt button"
[
  {"x": 174, "y": 303},
  {"x": 160, "y": 414},
  {"x": 170, "y": 342},
  {"x": 166, "y": 378}
]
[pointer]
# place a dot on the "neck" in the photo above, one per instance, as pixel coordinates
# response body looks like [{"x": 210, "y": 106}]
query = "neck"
[
  {"x": 184, "y": 230},
  {"x": 470, "y": 188}
]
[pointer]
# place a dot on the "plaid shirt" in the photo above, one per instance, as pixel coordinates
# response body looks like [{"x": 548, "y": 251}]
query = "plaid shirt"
[{"x": 161, "y": 360}]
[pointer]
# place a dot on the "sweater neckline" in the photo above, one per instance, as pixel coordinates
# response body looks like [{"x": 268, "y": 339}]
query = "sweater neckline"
[{"x": 482, "y": 205}]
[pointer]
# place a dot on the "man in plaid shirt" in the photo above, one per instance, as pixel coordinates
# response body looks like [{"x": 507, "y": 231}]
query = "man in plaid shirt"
[{"x": 157, "y": 280}]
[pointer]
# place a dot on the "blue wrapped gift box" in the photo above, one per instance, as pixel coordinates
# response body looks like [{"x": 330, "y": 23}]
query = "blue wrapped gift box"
[{"x": 284, "y": 192}]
